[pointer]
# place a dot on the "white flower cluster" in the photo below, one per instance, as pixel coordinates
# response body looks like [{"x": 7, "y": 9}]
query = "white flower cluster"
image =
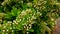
[{"x": 40, "y": 4}]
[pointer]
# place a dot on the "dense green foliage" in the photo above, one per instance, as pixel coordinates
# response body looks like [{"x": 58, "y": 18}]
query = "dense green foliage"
[{"x": 28, "y": 16}]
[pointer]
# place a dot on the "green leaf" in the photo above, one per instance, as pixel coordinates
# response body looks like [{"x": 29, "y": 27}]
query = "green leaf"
[{"x": 30, "y": 30}]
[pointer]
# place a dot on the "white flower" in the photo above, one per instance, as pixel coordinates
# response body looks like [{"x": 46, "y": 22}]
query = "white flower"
[
  {"x": 27, "y": 32},
  {"x": 28, "y": 11},
  {"x": 4, "y": 27},
  {"x": 3, "y": 30},
  {"x": 23, "y": 13},
  {"x": 30, "y": 25},
  {"x": 0, "y": 25},
  {"x": 33, "y": 22},
  {"x": 27, "y": 28},
  {"x": 9, "y": 22},
  {"x": 29, "y": 4},
  {"x": 27, "y": 21},
  {"x": 20, "y": 20},
  {"x": 34, "y": 5},
  {"x": 14, "y": 21},
  {"x": 52, "y": 19},
  {"x": 24, "y": 27},
  {"x": 34, "y": 13},
  {"x": 57, "y": 3},
  {"x": 33, "y": 17},
  {"x": 27, "y": 18},
  {"x": 7, "y": 30},
  {"x": 12, "y": 30},
  {"x": 10, "y": 27},
  {"x": 21, "y": 1}
]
